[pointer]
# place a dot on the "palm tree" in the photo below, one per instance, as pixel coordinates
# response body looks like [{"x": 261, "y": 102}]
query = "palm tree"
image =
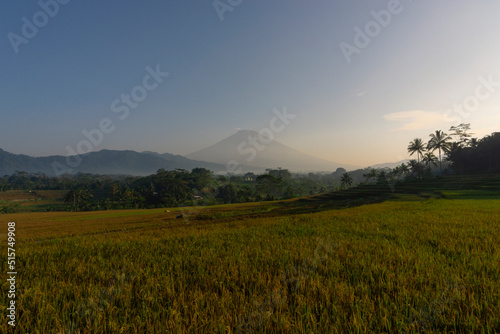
[
  {"x": 404, "y": 169},
  {"x": 439, "y": 141},
  {"x": 415, "y": 168},
  {"x": 429, "y": 158},
  {"x": 346, "y": 180},
  {"x": 394, "y": 174},
  {"x": 416, "y": 146},
  {"x": 371, "y": 174},
  {"x": 381, "y": 176}
]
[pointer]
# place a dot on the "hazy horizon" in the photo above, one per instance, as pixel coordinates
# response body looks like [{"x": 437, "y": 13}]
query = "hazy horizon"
[
  {"x": 242, "y": 158},
  {"x": 362, "y": 79}
]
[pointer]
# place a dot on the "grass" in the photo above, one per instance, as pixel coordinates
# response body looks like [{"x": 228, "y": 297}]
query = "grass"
[{"x": 425, "y": 260}]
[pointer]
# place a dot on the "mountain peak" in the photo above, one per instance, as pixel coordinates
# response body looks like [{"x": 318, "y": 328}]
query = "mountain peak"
[
  {"x": 248, "y": 148},
  {"x": 244, "y": 133}
]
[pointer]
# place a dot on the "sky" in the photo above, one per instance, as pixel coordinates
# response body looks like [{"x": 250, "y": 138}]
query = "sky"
[{"x": 358, "y": 79}]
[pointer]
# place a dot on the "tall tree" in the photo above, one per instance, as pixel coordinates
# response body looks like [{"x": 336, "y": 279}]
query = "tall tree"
[
  {"x": 439, "y": 141},
  {"x": 416, "y": 168},
  {"x": 346, "y": 180},
  {"x": 404, "y": 169},
  {"x": 81, "y": 199},
  {"x": 370, "y": 175},
  {"x": 429, "y": 158},
  {"x": 462, "y": 133},
  {"x": 480, "y": 157},
  {"x": 416, "y": 146},
  {"x": 269, "y": 187}
]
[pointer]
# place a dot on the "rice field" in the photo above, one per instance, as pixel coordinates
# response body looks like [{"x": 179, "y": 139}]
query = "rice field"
[{"x": 407, "y": 263}]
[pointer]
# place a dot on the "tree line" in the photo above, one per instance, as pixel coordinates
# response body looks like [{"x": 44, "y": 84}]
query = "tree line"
[
  {"x": 174, "y": 188},
  {"x": 458, "y": 151},
  {"x": 464, "y": 154}
]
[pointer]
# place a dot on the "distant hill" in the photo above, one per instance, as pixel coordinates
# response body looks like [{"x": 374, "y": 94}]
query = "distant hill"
[
  {"x": 103, "y": 162},
  {"x": 237, "y": 147}
]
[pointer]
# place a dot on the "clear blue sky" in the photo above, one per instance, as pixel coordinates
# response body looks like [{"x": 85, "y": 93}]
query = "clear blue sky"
[{"x": 230, "y": 74}]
